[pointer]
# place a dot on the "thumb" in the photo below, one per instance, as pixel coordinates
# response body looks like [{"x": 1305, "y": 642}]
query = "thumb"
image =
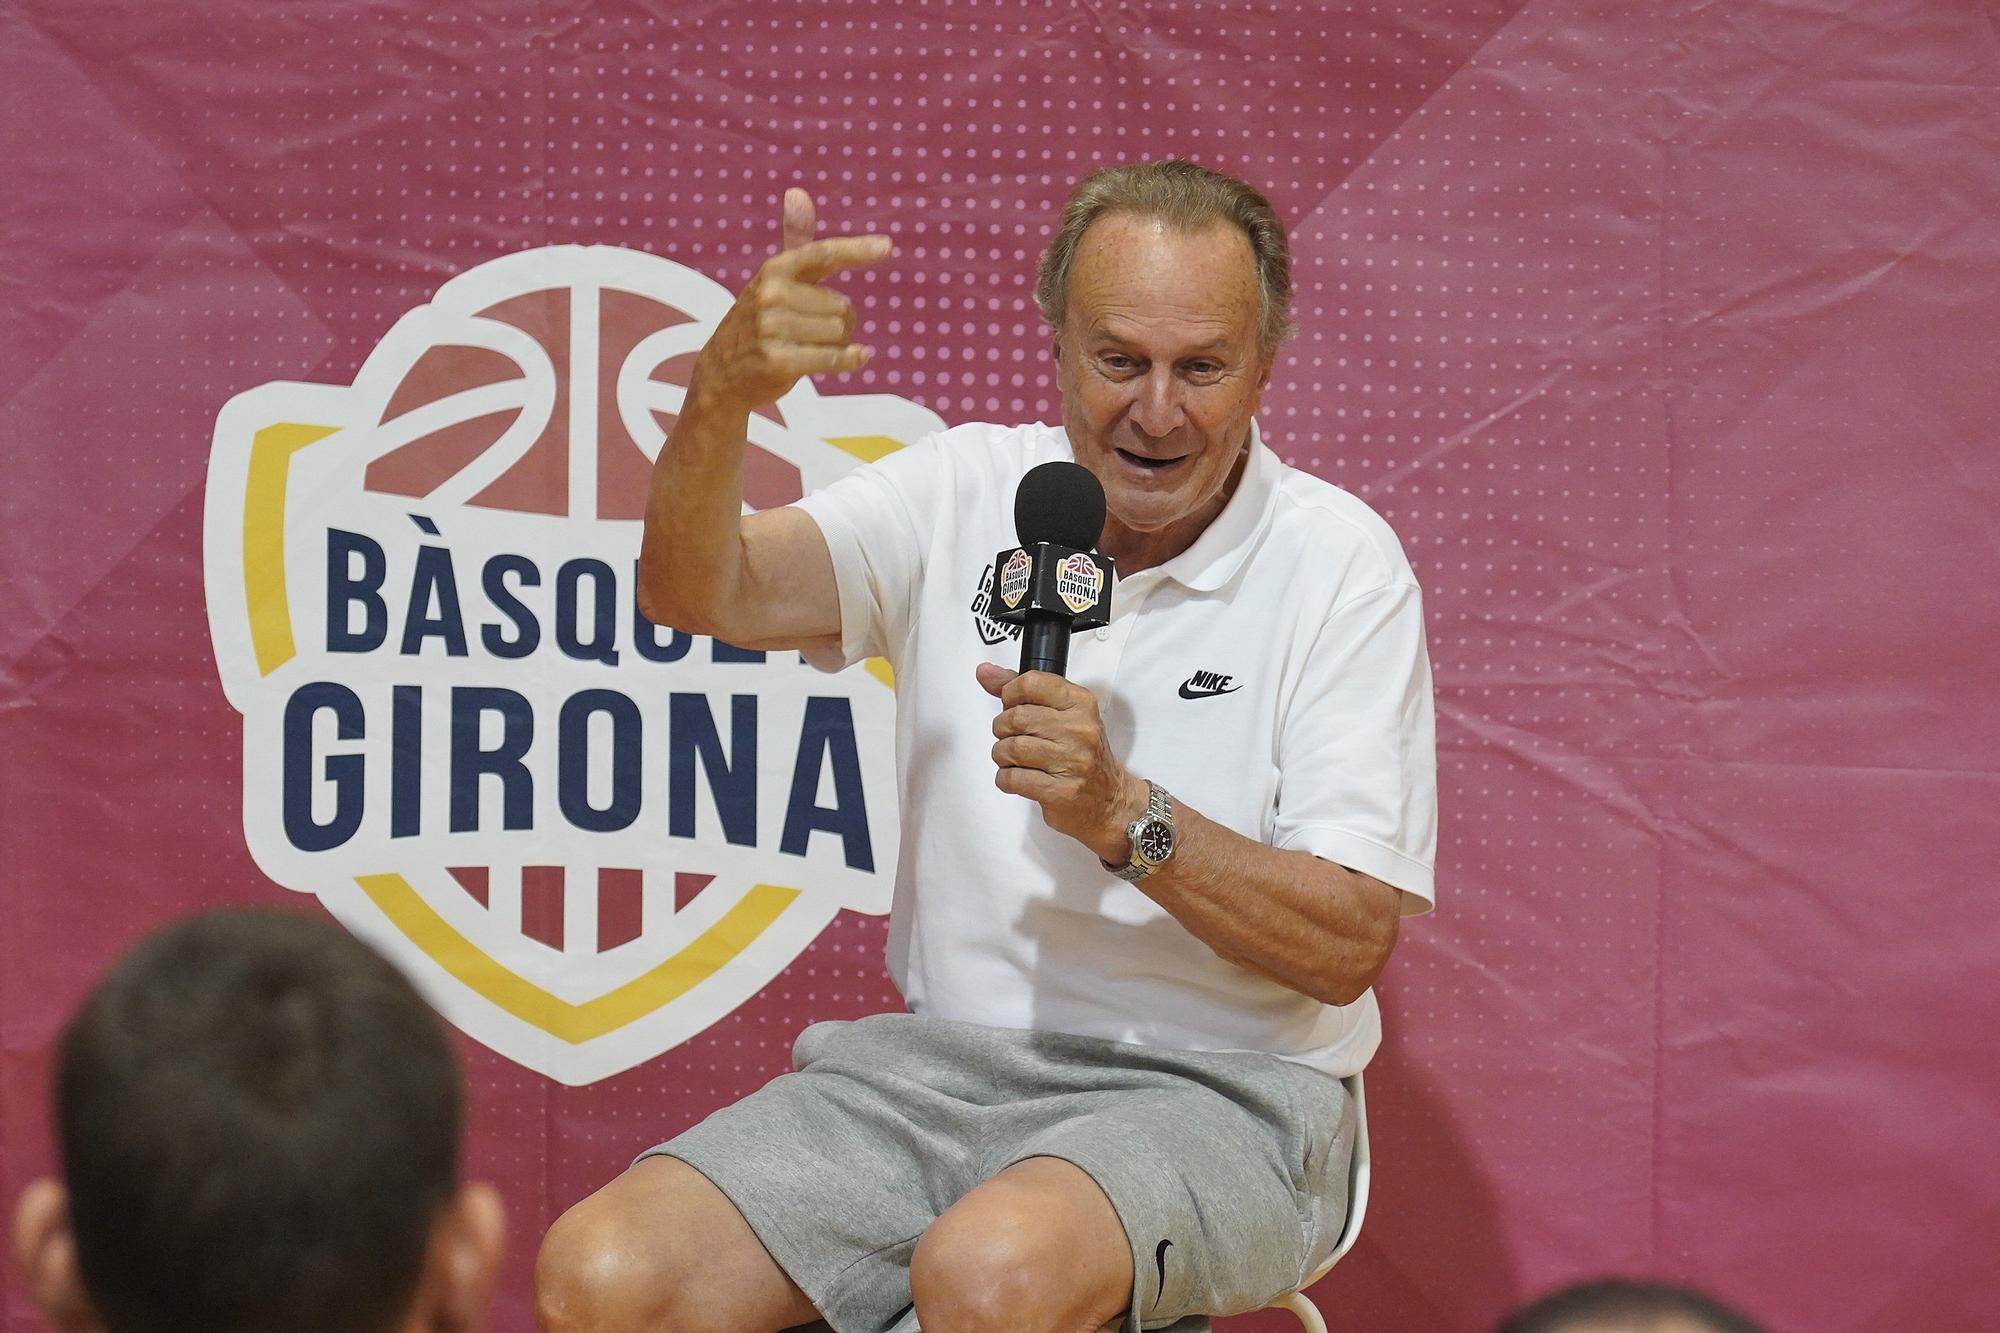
[
  {"x": 993, "y": 679},
  {"x": 800, "y": 218}
]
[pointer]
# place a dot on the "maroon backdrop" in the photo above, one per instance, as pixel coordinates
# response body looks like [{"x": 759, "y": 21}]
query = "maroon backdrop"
[{"x": 1665, "y": 335}]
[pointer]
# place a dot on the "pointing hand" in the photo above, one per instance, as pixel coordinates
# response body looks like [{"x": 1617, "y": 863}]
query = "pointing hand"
[{"x": 786, "y": 325}]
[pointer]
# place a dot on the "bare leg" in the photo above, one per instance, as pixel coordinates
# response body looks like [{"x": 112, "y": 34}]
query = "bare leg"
[
  {"x": 661, "y": 1247},
  {"x": 1036, "y": 1249}
]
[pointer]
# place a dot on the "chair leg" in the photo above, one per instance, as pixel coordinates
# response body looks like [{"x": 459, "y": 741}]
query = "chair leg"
[{"x": 1304, "y": 1311}]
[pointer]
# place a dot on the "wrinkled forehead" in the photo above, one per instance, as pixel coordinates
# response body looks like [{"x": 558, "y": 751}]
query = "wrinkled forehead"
[{"x": 1135, "y": 272}]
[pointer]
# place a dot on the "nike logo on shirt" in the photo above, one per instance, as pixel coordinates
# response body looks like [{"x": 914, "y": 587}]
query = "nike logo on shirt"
[{"x": 1207, "y": 684}]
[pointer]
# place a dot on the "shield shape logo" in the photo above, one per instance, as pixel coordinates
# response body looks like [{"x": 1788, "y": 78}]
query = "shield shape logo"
[
  {"x": 1078, "y": 581},
  {"x": 587, "y": 838},
  {"x": 1014, "y": 578}
]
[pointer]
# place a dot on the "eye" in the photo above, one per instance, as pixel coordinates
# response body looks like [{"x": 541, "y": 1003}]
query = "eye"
[
  {"x": 1117, "y": 362},
  {"x": 1204, "y": 371}
]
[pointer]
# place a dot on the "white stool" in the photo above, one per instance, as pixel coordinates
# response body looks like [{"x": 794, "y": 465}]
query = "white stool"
[{"x": 1357, "y": 1204}]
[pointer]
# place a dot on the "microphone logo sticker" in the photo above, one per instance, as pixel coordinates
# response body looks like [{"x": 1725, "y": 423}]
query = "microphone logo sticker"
[
  {"x": 1014, "y": 578},
  {"x": 1078, "y": 582},
  {"x": 585, "y": 837}
]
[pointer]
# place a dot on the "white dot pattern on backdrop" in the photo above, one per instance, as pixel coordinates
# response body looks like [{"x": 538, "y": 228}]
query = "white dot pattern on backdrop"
[{"x": 1600, "y": 305}]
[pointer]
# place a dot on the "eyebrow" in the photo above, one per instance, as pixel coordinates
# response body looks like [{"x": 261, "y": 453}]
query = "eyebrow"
[{"x": 1217, "y": 344}]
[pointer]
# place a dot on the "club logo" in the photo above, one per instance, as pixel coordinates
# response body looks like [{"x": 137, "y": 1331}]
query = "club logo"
[
  {"x": 991, "y": 632},
  {"x": 1078, "y": 582},
  {"x": 586, "y": 837},
  {"x": 1014, "y": 579}
]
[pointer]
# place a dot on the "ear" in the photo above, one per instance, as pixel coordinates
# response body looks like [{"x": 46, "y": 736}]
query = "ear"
[
  {"x": 456, "y": 1294},
  {"x": 45, "y": 1254}
]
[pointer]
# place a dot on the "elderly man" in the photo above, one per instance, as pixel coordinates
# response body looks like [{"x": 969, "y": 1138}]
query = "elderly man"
[{"x": 1138, "y": 910}]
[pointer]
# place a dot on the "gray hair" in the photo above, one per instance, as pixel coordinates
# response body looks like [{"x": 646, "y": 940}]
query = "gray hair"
[{"x": 1186, "y": 197}]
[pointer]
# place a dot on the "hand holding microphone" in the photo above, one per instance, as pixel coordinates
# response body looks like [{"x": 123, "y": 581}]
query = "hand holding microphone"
[{"x": 1051, "y": 746}]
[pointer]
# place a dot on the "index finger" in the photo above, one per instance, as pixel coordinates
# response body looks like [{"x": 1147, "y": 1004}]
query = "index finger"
[
  {"x": 1026, "y": 720},
  {"x": 1041, "y": 687},
  {"x": 818, "y": 260},
  {"x": 800, "y": 218}
]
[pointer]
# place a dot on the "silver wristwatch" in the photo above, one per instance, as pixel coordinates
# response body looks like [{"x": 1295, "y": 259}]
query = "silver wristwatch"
[{"x": 1152, "y": 836}]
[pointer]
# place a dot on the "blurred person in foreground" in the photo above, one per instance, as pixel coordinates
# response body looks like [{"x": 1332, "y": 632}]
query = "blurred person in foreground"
[
  {"x": 1622, "y": 1305},
  {"x": 1139, "y": 907},
  {"x": 257, "y": 1126}
]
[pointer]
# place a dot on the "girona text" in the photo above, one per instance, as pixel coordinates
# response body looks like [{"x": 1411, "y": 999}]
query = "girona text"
[{"x": 602, "y": 760}]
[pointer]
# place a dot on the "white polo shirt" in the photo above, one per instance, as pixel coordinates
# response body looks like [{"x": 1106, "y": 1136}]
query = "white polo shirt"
[{"x": 1272, "y": 676}]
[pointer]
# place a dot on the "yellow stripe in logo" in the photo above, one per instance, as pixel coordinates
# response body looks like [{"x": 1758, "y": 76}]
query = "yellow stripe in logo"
[
  {"x": 867, "y": 448},
  {"x": 271, "y": 451},
  {"x": 576, "y": 1024}
]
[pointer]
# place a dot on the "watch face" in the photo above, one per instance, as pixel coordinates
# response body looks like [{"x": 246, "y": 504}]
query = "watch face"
[{"x": 1156, "y": 841}]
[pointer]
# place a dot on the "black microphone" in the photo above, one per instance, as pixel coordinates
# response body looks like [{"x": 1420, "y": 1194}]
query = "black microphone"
[{"x": 1053, "y": 582}]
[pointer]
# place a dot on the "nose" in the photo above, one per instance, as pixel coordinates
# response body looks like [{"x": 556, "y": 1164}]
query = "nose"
[{"x": 1157, "y": 411}]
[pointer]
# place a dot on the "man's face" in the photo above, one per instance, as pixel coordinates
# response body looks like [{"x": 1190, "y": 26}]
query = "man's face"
[{"x": 1161, "y": 370}]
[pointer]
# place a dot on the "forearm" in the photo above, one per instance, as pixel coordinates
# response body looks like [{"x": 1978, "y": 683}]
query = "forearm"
[
  {"x": 691, "y": 555},
  {"x": 1308, "y": 924}
]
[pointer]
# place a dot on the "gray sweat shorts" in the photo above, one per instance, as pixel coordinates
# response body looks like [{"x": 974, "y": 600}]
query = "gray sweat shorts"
[{"x": 1229, "y": 1171}]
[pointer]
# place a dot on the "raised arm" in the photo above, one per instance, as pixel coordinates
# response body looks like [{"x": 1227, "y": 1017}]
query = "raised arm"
[{"x": 762, "y": 580}]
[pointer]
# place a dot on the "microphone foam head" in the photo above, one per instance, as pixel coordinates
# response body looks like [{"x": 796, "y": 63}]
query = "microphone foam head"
[{"x": 1061, "y": 503}]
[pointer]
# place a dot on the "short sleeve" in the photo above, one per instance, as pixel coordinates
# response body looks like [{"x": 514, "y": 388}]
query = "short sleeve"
[
  {"x": 878, "y": 522},
  {"x": 1357, "y": 754}
]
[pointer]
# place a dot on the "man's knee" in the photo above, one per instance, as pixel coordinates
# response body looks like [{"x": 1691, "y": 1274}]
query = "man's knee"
[
  {"x": 971, "y": 1277},
  {"x": 587, "y": 1278},
  {"x": 660, "y": 1249},
  {"x": 597, "y": 1273},
  {"x": 998, "y": 1273}
]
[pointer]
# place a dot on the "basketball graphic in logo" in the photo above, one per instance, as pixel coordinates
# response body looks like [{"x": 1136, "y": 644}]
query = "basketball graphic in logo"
[
  {"x": 1078, "y": 580},
  {"x": 1014, "y": 578},
  {"x": 588, "y": 838}
]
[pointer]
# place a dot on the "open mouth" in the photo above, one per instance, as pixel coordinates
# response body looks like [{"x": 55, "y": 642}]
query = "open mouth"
[{"x": 1147, "y": 464}]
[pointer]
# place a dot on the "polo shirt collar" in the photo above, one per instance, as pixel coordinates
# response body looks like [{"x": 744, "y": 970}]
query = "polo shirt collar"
[{"x": 1229, "y": 538}]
